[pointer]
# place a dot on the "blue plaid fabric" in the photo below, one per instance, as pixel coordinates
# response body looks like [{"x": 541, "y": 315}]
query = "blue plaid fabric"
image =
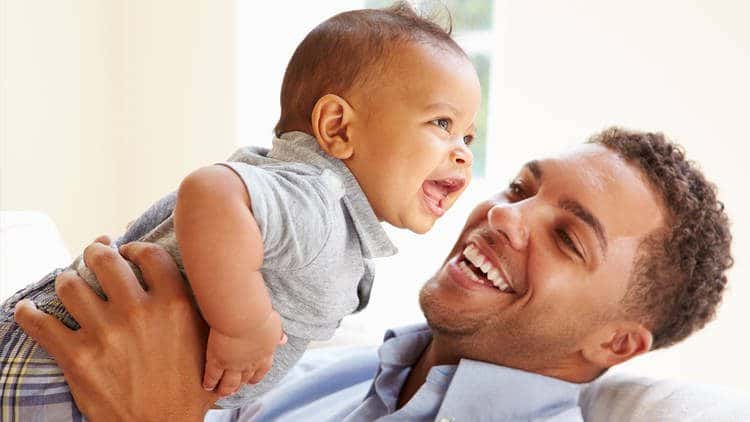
[{"x": 32, "y": 386}]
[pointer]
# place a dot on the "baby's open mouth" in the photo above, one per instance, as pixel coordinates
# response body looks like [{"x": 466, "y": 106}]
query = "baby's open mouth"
[{"x": 435, "y": 192}]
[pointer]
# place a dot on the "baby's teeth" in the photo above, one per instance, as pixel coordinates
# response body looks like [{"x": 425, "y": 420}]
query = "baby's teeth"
[{"x": 501, "y": 285}]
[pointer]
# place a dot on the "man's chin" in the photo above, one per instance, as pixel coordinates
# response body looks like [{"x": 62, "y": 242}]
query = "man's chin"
[{"x": 442, "y": 315}]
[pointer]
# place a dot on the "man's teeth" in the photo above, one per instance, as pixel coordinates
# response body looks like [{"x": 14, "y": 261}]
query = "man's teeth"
[
  {"x": 473, "y": 255},
  {"x": 465, "y": 268}
]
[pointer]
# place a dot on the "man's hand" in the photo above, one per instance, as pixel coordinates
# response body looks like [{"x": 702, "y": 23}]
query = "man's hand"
[{"x": 139, "y": 355}]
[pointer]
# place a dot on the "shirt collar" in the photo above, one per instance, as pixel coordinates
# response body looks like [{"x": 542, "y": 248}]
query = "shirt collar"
[
  {"x": 404, "y": 345},
  {"x": 477, "y": 389},
  {"x": 300, "y": 146}
]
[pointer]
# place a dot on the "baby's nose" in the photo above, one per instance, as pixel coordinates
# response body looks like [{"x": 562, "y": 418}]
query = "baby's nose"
[{"x": 462, "y": 155}]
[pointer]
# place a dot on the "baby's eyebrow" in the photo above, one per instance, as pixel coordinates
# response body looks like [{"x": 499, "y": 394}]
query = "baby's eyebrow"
[{"x": 441, "y": 105}]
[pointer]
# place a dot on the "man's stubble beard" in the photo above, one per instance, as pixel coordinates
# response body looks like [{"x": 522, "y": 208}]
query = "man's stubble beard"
[
  {"x": 504, "y": 341},
  {"x": 442, "y": 319}
]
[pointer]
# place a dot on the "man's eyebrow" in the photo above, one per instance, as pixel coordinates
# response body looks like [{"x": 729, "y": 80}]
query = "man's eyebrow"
[
  {"x": 534, "y": 168},
  {"x": 583, "y": 214}
]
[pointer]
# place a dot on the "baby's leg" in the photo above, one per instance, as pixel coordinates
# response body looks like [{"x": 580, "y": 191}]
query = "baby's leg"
[{"x": 32, "y": 386}]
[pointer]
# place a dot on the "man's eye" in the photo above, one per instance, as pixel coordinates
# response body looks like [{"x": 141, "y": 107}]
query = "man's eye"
[
  {"x": 568, "y": 241},
  {"x": 469, "y": 139},
  {"x": 516, "y": 189},
  {"x": 444, "y": 124}
]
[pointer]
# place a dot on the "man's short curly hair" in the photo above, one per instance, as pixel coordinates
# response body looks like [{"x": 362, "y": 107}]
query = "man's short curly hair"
[{"x": 679, "y": 275}]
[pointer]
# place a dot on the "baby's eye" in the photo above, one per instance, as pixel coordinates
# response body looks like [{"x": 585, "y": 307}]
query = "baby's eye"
[
  {"x": 444, "y": 124},
  {"x": 468, "y": 139}
]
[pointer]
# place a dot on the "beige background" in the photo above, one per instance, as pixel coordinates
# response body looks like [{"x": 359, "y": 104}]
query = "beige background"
[{"x": 107, "y": 104}]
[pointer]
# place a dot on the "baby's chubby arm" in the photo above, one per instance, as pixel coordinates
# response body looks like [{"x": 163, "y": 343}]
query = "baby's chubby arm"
[{"x": 222, "y": 251}]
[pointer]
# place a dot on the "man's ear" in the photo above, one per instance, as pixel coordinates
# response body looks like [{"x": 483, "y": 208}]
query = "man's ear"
[
  {"x": 331, "y": 117},
  {"x": 616, "y": 343}
]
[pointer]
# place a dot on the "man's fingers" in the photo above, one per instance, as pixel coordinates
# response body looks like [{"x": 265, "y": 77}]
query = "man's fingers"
[
  {"x": 229, "y": 383},
  {"x": 47, "y": 330},
  {"x": 117, "y": 279},
  {"x": 104, "y": 239},
  {"x": 283, "y": 339},
  {"x": 78, "y": 298},
  {"x": 211, "y": 376},
  {"x": 159, "y": 270}
]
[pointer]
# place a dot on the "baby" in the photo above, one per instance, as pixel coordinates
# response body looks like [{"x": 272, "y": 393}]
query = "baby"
[{"x": 377, "y": 112}]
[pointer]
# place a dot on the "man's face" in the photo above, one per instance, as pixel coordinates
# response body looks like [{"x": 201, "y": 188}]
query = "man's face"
[{"x": 544, "y": 263}]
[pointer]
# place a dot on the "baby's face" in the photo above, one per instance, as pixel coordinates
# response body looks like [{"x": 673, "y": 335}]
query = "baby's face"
[{"x": 411, "y": 135}]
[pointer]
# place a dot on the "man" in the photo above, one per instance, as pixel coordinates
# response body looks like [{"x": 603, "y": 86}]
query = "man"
[{"x": 586, "y": 260}]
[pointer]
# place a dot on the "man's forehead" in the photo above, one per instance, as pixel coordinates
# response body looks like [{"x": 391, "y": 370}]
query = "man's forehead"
[
  {"x": 591, "y": 166},
  {"x": 614, "y": 191},
  {"x": 590, "y": 157}
]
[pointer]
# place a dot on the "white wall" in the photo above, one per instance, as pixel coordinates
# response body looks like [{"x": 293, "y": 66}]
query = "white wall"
[
  {"x": 106, "y": 105},
  {"x": 267, "y": 35}
]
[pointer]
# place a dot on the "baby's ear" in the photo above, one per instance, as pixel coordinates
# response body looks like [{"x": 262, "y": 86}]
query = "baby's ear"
[{"x": 330, "y": 123}]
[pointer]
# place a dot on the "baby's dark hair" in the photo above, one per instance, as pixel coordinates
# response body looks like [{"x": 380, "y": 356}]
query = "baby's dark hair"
[{"x": 349, "y": 51}]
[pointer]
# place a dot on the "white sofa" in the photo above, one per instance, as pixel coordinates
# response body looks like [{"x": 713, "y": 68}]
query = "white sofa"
[{"x": 30, "y": 246}]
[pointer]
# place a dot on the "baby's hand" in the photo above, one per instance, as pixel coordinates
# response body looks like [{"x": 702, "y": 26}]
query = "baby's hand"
[{"x": 233, "y": 361}]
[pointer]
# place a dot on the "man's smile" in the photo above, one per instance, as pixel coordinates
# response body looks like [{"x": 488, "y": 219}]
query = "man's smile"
[
  {"x": 480, "y": 268},
  {"x": 473, "y": 269}
]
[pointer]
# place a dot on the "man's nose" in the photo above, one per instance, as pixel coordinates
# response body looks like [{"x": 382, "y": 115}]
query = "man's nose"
[
  {"x": 508, "y": 219},
  {"x": 461, "y": 155}
]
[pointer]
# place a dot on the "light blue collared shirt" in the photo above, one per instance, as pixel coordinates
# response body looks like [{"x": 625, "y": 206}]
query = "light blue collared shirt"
[{"x": 339, "y": 386}]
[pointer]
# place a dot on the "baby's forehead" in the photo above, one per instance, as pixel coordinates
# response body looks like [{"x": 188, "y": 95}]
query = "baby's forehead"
[
  {"x": 401, "y": 62},
  {"x": 414, "y": 63},
  {"x": 427, "y": 78}
]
